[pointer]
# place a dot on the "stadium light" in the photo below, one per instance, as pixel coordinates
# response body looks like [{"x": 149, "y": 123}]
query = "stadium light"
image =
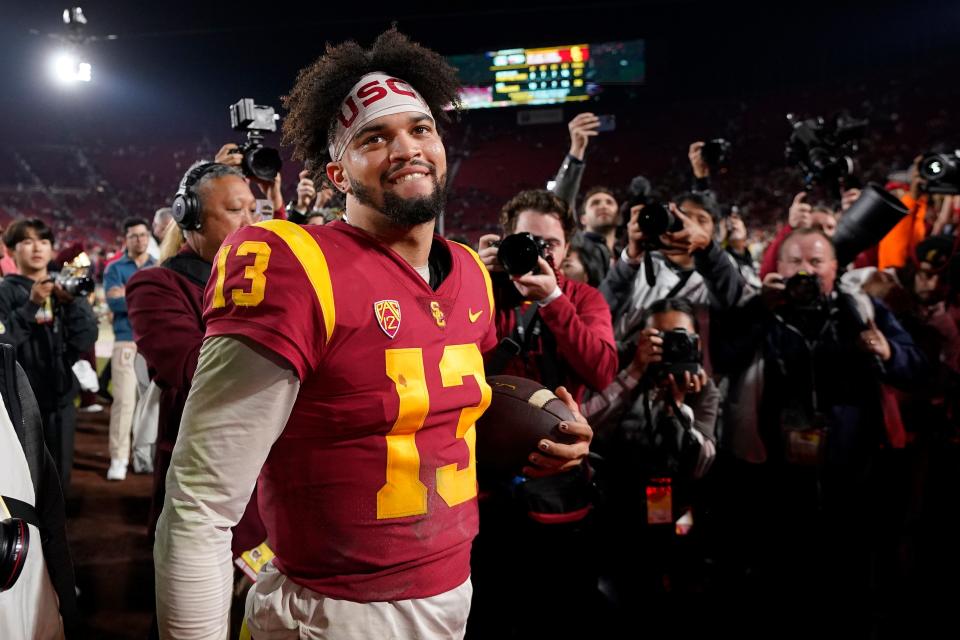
[{"x": 68, "y": 70}]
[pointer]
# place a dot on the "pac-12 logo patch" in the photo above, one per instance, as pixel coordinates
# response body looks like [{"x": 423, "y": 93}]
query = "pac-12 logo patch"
[{"x": 388, "y": 315}]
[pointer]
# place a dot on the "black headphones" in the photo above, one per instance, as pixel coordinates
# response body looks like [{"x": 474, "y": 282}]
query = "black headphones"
[
  {"x": 14, "y": 539},
  {"x": 186, "y": 204}
]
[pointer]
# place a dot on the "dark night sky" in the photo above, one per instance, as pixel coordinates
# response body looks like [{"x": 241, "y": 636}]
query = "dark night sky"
[{"x": 178, "y": 64}]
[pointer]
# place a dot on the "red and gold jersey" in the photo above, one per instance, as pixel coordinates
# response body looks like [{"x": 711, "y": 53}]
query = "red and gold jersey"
[{"x": 370, "y": 492}]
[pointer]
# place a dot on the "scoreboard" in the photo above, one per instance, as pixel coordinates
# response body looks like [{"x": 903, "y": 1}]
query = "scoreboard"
[{"x": 546, "y": 75}]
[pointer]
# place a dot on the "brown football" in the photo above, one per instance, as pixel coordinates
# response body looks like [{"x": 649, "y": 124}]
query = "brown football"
[{"x": 521, "y": 413}]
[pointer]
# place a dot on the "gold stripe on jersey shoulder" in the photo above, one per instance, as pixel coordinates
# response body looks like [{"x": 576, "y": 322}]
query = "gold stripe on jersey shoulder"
[
  {"x": 486, "y": 277},
  {"x": 314, "y": 264}
]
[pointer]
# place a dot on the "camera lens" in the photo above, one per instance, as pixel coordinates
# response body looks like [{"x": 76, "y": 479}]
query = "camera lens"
[
  {"x": 518, "y": 253},
  {"x": 14, "y": 544},
  {"x": 656, "y": 220},
  {"x": 262, "y": 162}
]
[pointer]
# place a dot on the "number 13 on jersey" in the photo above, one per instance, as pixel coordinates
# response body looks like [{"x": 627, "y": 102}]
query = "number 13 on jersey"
[
  {"x": 404, "y": 494},
  {"x": 255, "y": 273}
]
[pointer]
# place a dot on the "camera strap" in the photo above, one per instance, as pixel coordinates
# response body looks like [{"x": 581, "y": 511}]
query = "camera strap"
[
  {"x": 13, "y": 508},
  {"x": 517, "y": 343}
]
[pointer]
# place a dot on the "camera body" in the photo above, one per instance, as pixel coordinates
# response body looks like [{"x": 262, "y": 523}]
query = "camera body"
[
  {"x": 681, "y": 353},
  {"x": 74, "y": 277},
  {"x": 655, "y": 220},
  {"x": 803, "y": 290},
  {"x": 258, "y": 161},
  {"x": 824, "y": 151},
  {"x": 518, "y": 253},
  {"x": 716, "y": 152},
  {"x": 942, "y": 172}
]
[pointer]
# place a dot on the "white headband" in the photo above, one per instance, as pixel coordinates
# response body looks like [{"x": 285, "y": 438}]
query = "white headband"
[{"x": 375, "y": 95}]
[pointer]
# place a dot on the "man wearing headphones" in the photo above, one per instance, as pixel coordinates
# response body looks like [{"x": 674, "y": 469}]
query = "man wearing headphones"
[{"x": 166, "y": 308}]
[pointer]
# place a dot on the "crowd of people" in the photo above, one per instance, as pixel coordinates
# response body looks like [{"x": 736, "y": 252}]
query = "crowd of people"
[{"x": 753, "y": 412}]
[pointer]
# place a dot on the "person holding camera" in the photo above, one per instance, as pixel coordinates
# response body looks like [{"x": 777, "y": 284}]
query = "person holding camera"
[
  {"x": 801, "y": 215},
  {"x": 552, "y": 329},
  {"x": 231, "y": 156},
  {"x": 804, "y": 419},
  {"x": 670, "y": 253},
  {"x": 135, "y": 257},
  {"x": 50, "y": 328},
  {"x": 313, "y": 206}
]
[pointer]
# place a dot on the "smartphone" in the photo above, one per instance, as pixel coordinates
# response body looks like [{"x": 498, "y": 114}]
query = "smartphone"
[{"x": 608, "y": 122}]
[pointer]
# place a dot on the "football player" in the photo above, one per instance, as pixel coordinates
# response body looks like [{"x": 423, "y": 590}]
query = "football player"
[{"x": 343, "y": 367}]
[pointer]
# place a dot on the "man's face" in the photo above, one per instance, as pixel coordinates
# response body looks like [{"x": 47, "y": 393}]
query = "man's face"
[
  {"x": 826, "y": 221},
  {"x": 396, "y": 165},
  {"x": 228, "y": 205},
  {"x": 548, "y": 227},
  {"x": 699, "y": 215},
  {"x": 599, "y": 213},
  {"x": 926, "y": 282},
  {"x": 138, "y": 239},
  {"x": 32, "y": 253},
  {"x": 810, "y": 253},
  {"x": 160, "y": 225}
]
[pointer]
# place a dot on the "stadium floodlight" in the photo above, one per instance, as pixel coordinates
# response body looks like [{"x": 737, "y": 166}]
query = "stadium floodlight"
[{"x": 67, "y": 69}]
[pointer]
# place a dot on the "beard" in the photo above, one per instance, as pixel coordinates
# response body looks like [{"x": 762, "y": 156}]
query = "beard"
[{"x": 405, "y": 212}]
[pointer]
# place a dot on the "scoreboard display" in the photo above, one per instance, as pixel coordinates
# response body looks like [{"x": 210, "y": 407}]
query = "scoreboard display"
[{"x": 547, "y": 75}]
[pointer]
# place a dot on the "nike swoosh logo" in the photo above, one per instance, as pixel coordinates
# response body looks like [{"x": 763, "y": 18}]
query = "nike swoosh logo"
[{"x": 474, "y": 316}]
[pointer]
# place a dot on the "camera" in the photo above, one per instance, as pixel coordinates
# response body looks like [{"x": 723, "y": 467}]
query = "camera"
[
  {"x": 655, "y": 220},
  {"x": 74, "y": 277},
  {"x": 803, "y": 290},
  {"x": 518, "y": 253},
  {"x": 716, "y": 152},
  {"x": 942, "y": 172},
  {"x": 681, "y": 353},
  {"x": 258, "y": 161},
  {"x": 14, "y": 545},
  {"x": 824, "y": 151}
]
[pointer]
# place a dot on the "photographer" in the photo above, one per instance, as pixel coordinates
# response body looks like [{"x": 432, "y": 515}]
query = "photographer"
[
  {"x": 561, "y": 326},
  {"x": 803, "y": 215},
  {"x": 312, "y": 204},
  {"x": 805, "y": 420},
  {"x": 50, "y": 328},
  {"x": 655, "y": 429},
  {"x": 230, "y": 156},
  {"x": 687, "y": 263}
]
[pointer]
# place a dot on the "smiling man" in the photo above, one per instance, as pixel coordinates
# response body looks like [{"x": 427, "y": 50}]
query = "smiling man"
[{"x": 342, "y": 366}]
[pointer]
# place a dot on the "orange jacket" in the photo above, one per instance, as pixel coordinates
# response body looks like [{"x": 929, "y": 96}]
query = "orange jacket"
[{"x": 897, "y": 247}]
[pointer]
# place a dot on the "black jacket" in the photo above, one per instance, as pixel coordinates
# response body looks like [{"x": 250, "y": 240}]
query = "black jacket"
[
  {"x": 46, "y": 351},
  {"x": 22, "y": 408}
]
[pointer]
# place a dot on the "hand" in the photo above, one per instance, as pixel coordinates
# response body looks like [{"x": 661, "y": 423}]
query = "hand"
[
  {"x": 582, "y": 128},
  {"x": 306, "y": 192},
  {"x": 41, "y": 290},
  {"x": 228, "y": 155},
  {"x": 848, "y": 198},
  {"x": 916, "y": 182},
  {"x": 552, "y": 457},
  {"x": 690, "y": 384},
  {"x": 116, "y": 292},
  {"x": 873, "y": 341},
  {"x": 271, "y": 190},
  {"x": 736, "y": 229},
  {"x": 773, "y": 288},
  {"x": 488, "y": 253},
  {"x": 801, "y": 213},
  {"x": 635, "y": 239},
  {"x": 693, "y": 237},
  {"x": 649, "y": 350},
  {"x": 539, "y": 286},
  {"x": 62, "y": 295},
  {"x": 700, "y": 167}
]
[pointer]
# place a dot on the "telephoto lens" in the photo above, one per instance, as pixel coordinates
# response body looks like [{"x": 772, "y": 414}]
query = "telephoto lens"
[
  {"x": 519, "y": 252},
  {"x": 656, "y": 220},
  {"x": 14, "y": 544}
]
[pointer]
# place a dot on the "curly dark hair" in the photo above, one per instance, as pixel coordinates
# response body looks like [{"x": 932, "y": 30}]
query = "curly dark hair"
[
  {"x": 321, "y": 88},
  {"x": 541, "y": 201}
]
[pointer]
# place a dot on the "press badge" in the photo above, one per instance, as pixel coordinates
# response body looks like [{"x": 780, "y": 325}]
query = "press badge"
[
  {"x": 659, "y": 501},
  {"x": 252, "y": 561},
  {"x": 804, "y": 436}
]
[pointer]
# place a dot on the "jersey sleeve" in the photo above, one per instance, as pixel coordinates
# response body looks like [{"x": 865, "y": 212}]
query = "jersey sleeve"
[{"x": 270, "y": 284}]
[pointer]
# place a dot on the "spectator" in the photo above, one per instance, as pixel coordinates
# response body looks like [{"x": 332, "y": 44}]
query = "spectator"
[
  {"x": 311, "y": 204},
  {"x": 115, "y": 278},
  {"x": 50, "y": 329},
  {"x": 161, "y": 221}
]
